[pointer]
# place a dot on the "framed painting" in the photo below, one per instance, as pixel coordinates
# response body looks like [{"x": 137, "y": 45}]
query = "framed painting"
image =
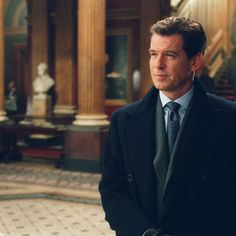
[{"x": 118, "y": 79}]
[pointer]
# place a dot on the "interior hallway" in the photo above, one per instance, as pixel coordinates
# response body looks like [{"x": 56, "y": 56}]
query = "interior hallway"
[{"x": 39, "y": 200}]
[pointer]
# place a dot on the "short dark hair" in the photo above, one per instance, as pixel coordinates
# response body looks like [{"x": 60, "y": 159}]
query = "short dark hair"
[{"x": 194, "y": 37}]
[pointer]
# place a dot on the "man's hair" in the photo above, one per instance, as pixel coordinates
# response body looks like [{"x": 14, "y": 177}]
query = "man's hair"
[{"x": 192, "y": 32}]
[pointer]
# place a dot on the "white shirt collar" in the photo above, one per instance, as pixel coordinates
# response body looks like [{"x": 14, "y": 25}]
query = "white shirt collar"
[{"x": 184, "y": 100}]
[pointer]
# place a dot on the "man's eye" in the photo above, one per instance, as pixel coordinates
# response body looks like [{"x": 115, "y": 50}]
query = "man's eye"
[
  {"x": 170, "y": 55},
  {"x": 153, "y": 54}
]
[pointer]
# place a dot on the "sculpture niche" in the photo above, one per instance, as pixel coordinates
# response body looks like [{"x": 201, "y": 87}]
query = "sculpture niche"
[{"x": 42, "y": 102}]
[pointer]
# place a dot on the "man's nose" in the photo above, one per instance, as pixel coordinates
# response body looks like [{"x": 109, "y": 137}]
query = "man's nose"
[{"x": 160, "y": 62}]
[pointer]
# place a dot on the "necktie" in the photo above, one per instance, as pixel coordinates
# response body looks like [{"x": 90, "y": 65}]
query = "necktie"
[{"x": 173, "y": 123}]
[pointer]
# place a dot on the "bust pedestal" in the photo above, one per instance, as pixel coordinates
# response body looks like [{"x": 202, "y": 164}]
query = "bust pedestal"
[{"x": 41, "y": 106}]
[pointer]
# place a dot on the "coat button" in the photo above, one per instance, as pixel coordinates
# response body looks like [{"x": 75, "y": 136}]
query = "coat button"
[
  {"x": 130, "y": 178},
  {"x": 205, "y": 177}
]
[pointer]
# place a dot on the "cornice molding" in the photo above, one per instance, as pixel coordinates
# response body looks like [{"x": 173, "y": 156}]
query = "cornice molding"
[{"x": 123, "y": 14}]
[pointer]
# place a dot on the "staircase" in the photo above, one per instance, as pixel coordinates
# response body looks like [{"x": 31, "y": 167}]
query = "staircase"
[{"x": 224, "y": 89}]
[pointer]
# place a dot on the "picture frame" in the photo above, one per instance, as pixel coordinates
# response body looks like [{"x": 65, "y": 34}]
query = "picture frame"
[{"x": 118, "y": 79}]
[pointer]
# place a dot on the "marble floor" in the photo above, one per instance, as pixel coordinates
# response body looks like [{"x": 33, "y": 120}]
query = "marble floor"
[{"x": 38, "y": 200}]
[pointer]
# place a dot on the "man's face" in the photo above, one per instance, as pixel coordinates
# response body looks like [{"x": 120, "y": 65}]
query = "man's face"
[{"x": 170, "y": 68}]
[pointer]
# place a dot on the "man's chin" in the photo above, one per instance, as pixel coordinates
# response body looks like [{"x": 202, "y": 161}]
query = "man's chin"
[{"x": 162, "y": 87}]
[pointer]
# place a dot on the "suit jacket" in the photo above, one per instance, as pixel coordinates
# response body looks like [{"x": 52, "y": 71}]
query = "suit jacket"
[{"x": 200, "y": 193}]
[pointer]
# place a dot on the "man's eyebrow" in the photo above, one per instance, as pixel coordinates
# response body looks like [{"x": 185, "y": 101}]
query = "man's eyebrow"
[
  {"x": 152, "y": 50},
  {"x": 171, "y": 51},
  {"x": 166, "y": 51}
]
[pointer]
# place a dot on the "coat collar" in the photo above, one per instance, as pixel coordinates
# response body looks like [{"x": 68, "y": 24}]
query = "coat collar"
[{"x": 148, "y": 103}]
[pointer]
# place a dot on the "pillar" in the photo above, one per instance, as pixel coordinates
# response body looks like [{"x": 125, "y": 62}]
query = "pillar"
[
  {"x": 150, "y": 13},
  {"x": 64, "y": 63},
  {"x": 91, "y": 63},
  {"x": 38, "y": 38},
  {"x": 2, "y": 111},
  {"x": 85, "y": 139}
]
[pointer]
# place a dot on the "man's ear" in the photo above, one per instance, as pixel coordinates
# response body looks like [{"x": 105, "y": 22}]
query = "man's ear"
[{"x": 197, "y": 62}]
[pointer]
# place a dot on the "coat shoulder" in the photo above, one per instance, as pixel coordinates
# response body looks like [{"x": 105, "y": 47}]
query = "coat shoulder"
[
  {"x": 144, "y": 105},
  {"x": 219, "y": 103},
  {"x": 129, "y": 108}
]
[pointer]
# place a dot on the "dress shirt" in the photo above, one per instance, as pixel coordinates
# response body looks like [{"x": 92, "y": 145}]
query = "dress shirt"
[{"x": 183, "y": 101}]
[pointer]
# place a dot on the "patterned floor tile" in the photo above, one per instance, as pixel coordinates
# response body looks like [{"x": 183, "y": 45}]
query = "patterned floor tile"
[
  {"x": 41, "y": 217},
  {"x": 29, "y": 204}
]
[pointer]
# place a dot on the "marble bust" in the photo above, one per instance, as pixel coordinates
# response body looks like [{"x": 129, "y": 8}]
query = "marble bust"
[{"x": 43, "y": 81}]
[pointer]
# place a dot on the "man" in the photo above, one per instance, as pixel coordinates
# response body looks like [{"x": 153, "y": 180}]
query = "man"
[{"x": 172, "y": 172}]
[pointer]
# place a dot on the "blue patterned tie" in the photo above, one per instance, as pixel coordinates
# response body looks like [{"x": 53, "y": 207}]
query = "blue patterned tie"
[{"x": 173, "y": 124}]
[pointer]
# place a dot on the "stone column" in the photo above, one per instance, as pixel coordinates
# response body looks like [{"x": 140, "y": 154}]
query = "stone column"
[
  {"x": 39, "y": 34},
  {"x": 38, "y": 38},
  {"x": 91, "y": 63},
  {"x": 39, "y": 53},
  {"x": 64, "y": 72},
  {"x": 150, "y": 13},
  {"x": 2, "y": 111}
]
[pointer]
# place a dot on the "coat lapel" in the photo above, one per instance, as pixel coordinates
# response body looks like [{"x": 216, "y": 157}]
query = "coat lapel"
[
  {"x": 161, "y": 160},
  {"x": 141, "y": 149},
  {"x": 191, "y": 151}
]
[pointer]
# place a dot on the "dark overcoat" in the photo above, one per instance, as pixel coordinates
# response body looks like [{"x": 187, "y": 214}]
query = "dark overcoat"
[{"x": 200, "y": 195}]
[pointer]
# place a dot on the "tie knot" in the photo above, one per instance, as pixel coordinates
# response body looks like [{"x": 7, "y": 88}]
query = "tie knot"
[{"x": 173, "y": 106}]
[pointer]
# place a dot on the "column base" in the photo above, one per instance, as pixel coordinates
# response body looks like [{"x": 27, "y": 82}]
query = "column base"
[
  {"x": 3, "y": 116},
  {"x": 60, "y": 109},
  {"x": 91, "y": 120},
  {"x": 83, "y": 148}
]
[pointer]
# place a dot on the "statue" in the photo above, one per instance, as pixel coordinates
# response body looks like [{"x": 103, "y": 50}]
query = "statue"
[
  {"x": 43, "y": 81},
  {"x": 42, "y": 103}
]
